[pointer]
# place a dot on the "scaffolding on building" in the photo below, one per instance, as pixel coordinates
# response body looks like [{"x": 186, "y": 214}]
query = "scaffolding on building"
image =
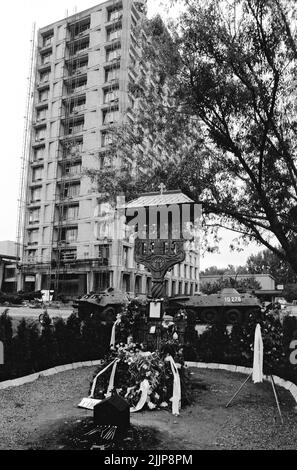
[
  {"x": 25, "y": 156},
  {"x": 63, "y": 257}
]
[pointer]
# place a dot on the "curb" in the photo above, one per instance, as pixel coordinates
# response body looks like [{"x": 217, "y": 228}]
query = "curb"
[
  {"x": 290, "y": 386},
  {"x": 46, "y": 373}
]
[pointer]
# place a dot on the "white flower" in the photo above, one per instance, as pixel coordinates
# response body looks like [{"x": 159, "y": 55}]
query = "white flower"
[{"x": 151, "y": 405}]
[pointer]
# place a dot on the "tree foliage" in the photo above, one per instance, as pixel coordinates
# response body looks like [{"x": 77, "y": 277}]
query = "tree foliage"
[
  {"x": 267, "y": 262},
  {"x": 220, "y": 119}
]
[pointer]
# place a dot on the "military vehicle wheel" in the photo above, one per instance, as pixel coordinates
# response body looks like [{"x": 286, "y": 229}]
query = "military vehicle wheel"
[
  {"x": 233, "y": 316},
  {"x": 209, "y": 315},
  {"x": 109, "y": 314}
]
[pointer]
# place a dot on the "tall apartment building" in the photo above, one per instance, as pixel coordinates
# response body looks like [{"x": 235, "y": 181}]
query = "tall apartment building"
[{"x": 82, "y": 73}]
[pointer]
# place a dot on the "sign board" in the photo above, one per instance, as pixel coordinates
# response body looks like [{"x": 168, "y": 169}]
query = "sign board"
[
  {"x": 155, "y": 309},
  {"x": 280, "y": 287}
]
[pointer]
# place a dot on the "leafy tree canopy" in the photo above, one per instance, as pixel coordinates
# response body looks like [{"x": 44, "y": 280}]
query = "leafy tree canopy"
[{"x": 219, "y": 119}]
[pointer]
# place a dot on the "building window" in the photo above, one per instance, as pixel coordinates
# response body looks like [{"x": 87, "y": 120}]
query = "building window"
[
  {"x": 41, "y": 114},
  {"x": 75, "y": 128},
  {"x": 34, "y": 216},
  {"x": 37, "y": 173},
  {"x": 31, "y": 256},
  {"x": 107, "y": 139},
  {"x": 115, "y": 14},
  {"x": 111, "y": 116},
  {"x": 47, "y": 39},
  {"x": 40, "y": 134},
  {"x": 78, "y": 106},
  {"x": 71, "y": 212},
  {"x": 125, "y": 256},
  {"x": 44, "y": 77},
  {"x": 103, "y": 252},
  {"x": 36, "y": 194},
  {"x": 79, "y": 47},
  {"x": 78, "y": 66},
  {"x": 33, "y": 237},
  {"x": 114, "y": 33},
  {"x": 72, "y": 148},
  {"x": 72, "y": 190},
  {"x": 112, "y": 73},
  {"x": 80, "y": 28},
  {"x": 73, "y": 169},
  {"x": 78, "y": 87},
  {"x": 43, "y": 95},
  {"x": 39, "y": 153},
  {"x": 113, "y": 54},
  {"x": 46, "y": 58},
  {"x": 111, "y": 95},
  {"x": 70, "y": 234}
]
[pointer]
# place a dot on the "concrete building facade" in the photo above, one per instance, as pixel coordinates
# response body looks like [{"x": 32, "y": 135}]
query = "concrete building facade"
[
  {"x": 8, "y": 266},
  {"x": 82, "y": 76}
]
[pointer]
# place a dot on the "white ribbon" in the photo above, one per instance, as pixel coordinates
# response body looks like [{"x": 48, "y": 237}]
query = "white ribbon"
[
  {"x": 113, "y": 331},
  {"x": 258, "y": 356},
  {"x": 95, "y": 379},
  {"x": 176, "y": 397},
  {"x": 144, "y": 388},
  {"x": 111, "y": 380}
]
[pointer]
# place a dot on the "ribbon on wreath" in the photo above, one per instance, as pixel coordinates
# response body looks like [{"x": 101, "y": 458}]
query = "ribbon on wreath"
[
  {"x": 113, "y": 331},
  {"x": 98, "y": 375},
  {"x": 176, "y": 397},
  {"x": 111, "y": 379},
  {"x": 144, "y": 389}
]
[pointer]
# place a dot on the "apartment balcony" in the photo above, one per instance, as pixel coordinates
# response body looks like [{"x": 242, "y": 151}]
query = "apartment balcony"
[
  {"x": 77, "y": 91},
  {"x": 79, "y": 36},
  {"x": 75, "y": 131},
  {"x": 44, "y": 67},
  {"x": 66, "y": 255},
  {"x": 79, "y": 109},
  {"x": 47, "y": 47},
  {"x": 73, "y": 177},
  {"x": 32, "y": 224},
  {"x": 32, "y": 243},
  {"x": 80, "y": 71},
  {"x": 79, "y": 52},
  {"x": 66, "y": 198},
  {"x": 42, "y": 84},
  {"x": 34, "y": 203},
  {"x": 38, "y": 141}
]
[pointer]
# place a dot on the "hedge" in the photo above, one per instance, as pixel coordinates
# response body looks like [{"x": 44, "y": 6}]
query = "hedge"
[
  {"x": 61, "y": 342},
  {"x": 217, "y": 344}
]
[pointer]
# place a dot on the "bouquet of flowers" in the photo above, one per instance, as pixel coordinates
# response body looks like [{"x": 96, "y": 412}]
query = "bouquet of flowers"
[{"x": 137, "y": 368}]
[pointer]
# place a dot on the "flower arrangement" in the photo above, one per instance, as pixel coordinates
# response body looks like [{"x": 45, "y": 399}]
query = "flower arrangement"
[{"x": 136, "y": 367}]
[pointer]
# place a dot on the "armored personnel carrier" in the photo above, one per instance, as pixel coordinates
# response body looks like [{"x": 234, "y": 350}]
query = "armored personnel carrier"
[
  {"x": 103, "y": 305},
  {"x": 228, "y": 306}
]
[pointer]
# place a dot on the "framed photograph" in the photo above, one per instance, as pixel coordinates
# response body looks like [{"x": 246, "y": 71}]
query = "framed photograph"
[{"x": 155, "y": 309}]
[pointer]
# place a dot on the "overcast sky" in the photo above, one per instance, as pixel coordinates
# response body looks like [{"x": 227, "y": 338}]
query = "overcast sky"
[{"x": 15, "y": 34}]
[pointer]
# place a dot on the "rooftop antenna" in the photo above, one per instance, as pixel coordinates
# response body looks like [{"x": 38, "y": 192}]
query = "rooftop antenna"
[
  {"x": 75, "y": 9},
  {"x": 66, "y": 13}
]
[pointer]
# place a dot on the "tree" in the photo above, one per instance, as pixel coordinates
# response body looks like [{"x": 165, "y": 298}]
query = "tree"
[
  {"x": 228, "y": 122},
  {"x": 241, "y": 285},
  {"x": 290, "y": 292},
  {"x": 268, "y": 262}
]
